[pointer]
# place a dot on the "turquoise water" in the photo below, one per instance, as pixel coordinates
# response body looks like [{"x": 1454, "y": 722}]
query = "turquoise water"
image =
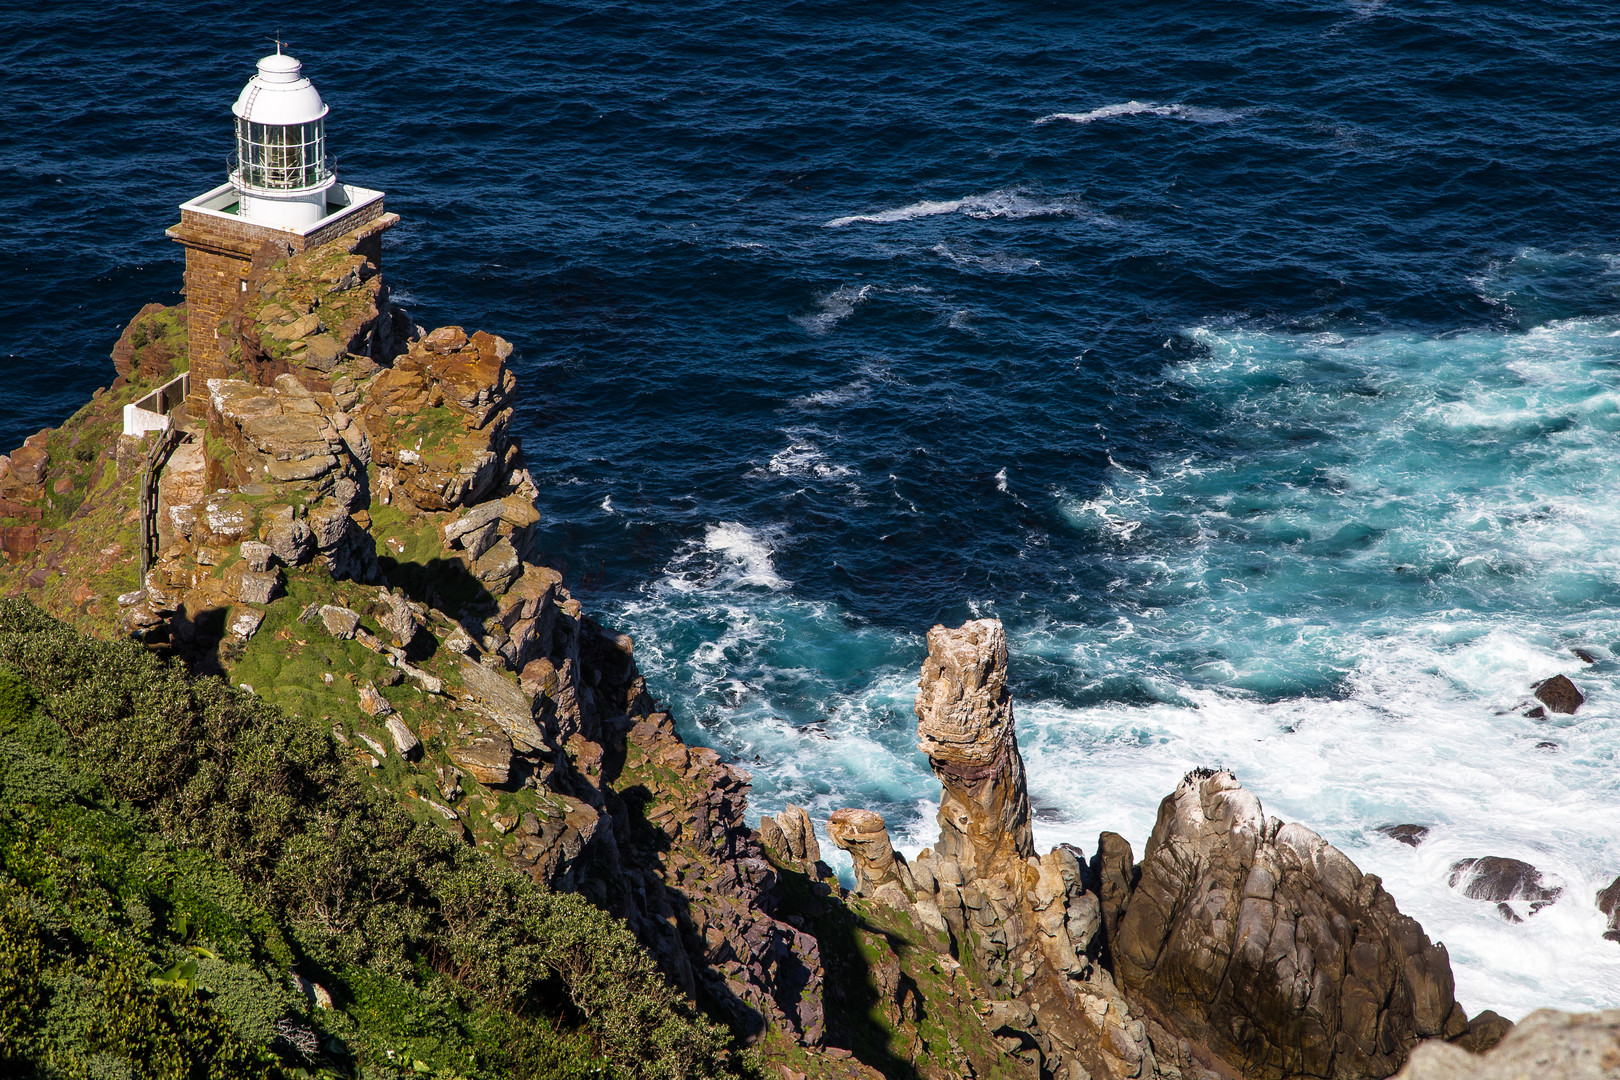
[{"x": 1347, "y": 604}]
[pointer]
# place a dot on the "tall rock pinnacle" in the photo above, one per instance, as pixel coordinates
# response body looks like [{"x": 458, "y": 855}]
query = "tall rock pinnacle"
[{"x": 965, "y": 726}]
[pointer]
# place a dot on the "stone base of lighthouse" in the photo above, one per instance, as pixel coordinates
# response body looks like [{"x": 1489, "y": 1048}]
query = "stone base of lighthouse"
[{"x": 221, "y": 247}]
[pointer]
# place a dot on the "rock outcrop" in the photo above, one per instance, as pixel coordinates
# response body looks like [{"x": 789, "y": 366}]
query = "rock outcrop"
[
  {"x": 1239, "y": 946},
  {"x": 1025, "y": 926},
  {"x": 1546, "y": 1045},
  {"x": 1267, "y": 944},
  {"x": 965, "y": 726}
]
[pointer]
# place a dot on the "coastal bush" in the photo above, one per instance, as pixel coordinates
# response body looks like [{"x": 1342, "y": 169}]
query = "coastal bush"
[{"x": 219, "y": 845}]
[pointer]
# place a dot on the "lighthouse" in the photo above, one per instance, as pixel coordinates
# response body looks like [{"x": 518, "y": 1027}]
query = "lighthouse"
[
  {"x": 281, "y": 196},
  {"x": 280, "y": 171}
]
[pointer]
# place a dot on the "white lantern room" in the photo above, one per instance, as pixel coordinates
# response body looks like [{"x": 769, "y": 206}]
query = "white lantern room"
[{"x": 280, "y": 169}]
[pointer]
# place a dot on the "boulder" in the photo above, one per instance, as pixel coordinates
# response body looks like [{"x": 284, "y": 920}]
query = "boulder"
[
  {"x": 1559, "y": 695},
  {"x": 486, "y": 755},
  {"x": 1608, "y": 902},
  {"x": 256, "y": 555},
  {"x": 1500, "y": 880},
  {"x": 29, "y": 464},
  {"x": 1546, "y": 1045},
  {"x": 965, "y": 726},
  {"x": 373, "y": 703},
  {"x": 398, "y": 619},
  {"x": 340, "y": 622},
  {"x": 1270, "y": 946},
  {"x": 405, "y": 740},
  {"x": 244, "y": 624},
  {"x": 252, "y": 588},
  {"x": 446, "y": 339}
]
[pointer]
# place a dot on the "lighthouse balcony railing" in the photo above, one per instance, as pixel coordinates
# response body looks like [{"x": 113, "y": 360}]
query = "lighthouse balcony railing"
[{"x": 292, "y": 177}]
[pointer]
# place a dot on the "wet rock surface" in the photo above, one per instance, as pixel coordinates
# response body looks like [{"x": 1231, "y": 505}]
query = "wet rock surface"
[
  {"x": 1502, "y": 881},
  {"x": 1410, "y": 835},
  {"x": 1559, "y": 695},
  {"x": 1608, "y": 902}
]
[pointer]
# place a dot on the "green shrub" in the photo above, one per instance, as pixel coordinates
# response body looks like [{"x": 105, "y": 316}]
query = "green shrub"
[{"x": 240, "y": 831}]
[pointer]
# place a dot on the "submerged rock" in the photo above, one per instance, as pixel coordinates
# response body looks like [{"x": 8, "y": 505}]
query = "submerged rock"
[
  {"x": 1608, "y": 902},
  {"x": 1559, "y": 695},
  {"x": 1410, "y": 835}
]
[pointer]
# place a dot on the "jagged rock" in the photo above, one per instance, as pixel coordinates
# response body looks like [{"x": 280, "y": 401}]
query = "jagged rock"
[
  {"x": 398, "y": 619},
  {"x": 257, "y": 556},
  {"x": 965, "y": 726},
  {"x": 497, "y": 697},
  {"x": 863, "y": 834},
  {"x": 791, "y": 835},
  {"x": 1559, "y": 695},
  {"x": 340, "y": 622},
  {"x": 1269, "y": 945},
  {"x": 548, "y": 846},
  {"x": 1410, "y": 835},
  {"x": 1500, "y": 880},
  {"x": 498, "y": 567},
  {"x": 1546, "y": 1045},
  {"x": 1608, "y": 902},
  {"x": 405, "y": 741}
]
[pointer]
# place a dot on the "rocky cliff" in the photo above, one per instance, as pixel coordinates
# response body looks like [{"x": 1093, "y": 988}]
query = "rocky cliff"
[{"x": 348, "y": 529}]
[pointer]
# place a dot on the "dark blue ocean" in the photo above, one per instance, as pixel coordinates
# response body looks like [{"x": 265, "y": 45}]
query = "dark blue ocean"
[{"x": 1257, "y": 363}]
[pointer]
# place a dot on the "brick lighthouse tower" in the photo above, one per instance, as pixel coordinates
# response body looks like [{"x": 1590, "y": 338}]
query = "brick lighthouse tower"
[{"x": 282, "y": 197}]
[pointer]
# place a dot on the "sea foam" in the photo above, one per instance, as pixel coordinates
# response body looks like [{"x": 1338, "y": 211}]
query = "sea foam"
[
  {"x": 1193, "y": 113},
  {"x": 1009, "y": 203}
]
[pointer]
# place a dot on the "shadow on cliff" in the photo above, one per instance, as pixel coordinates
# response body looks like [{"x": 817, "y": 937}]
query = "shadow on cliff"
[
  {"x": 683, "y": 962},
  {"x": 445, "y": 584},
  {"x": 861, "y": 1014}
]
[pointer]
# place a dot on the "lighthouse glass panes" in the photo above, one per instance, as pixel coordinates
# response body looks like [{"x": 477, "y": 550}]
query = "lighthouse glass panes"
[{"x": 280, "y": 157}]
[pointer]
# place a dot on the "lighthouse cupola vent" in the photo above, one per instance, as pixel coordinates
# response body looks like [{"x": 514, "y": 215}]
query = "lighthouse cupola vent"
[{"x": 280, "y": 169}]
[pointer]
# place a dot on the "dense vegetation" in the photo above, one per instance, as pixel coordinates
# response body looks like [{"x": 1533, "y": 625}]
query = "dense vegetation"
[{"x": 186, "y": 873}]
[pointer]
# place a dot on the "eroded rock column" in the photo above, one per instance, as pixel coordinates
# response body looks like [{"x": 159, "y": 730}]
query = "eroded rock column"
[{"x": 965, "y": 726}]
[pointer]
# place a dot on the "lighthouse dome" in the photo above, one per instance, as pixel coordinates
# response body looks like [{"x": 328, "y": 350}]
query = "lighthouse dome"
[{"x": 279, "y": 93}]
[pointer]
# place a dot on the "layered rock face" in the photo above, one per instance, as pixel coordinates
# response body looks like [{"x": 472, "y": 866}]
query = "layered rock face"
[{"x": 1270, "y": 946}]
